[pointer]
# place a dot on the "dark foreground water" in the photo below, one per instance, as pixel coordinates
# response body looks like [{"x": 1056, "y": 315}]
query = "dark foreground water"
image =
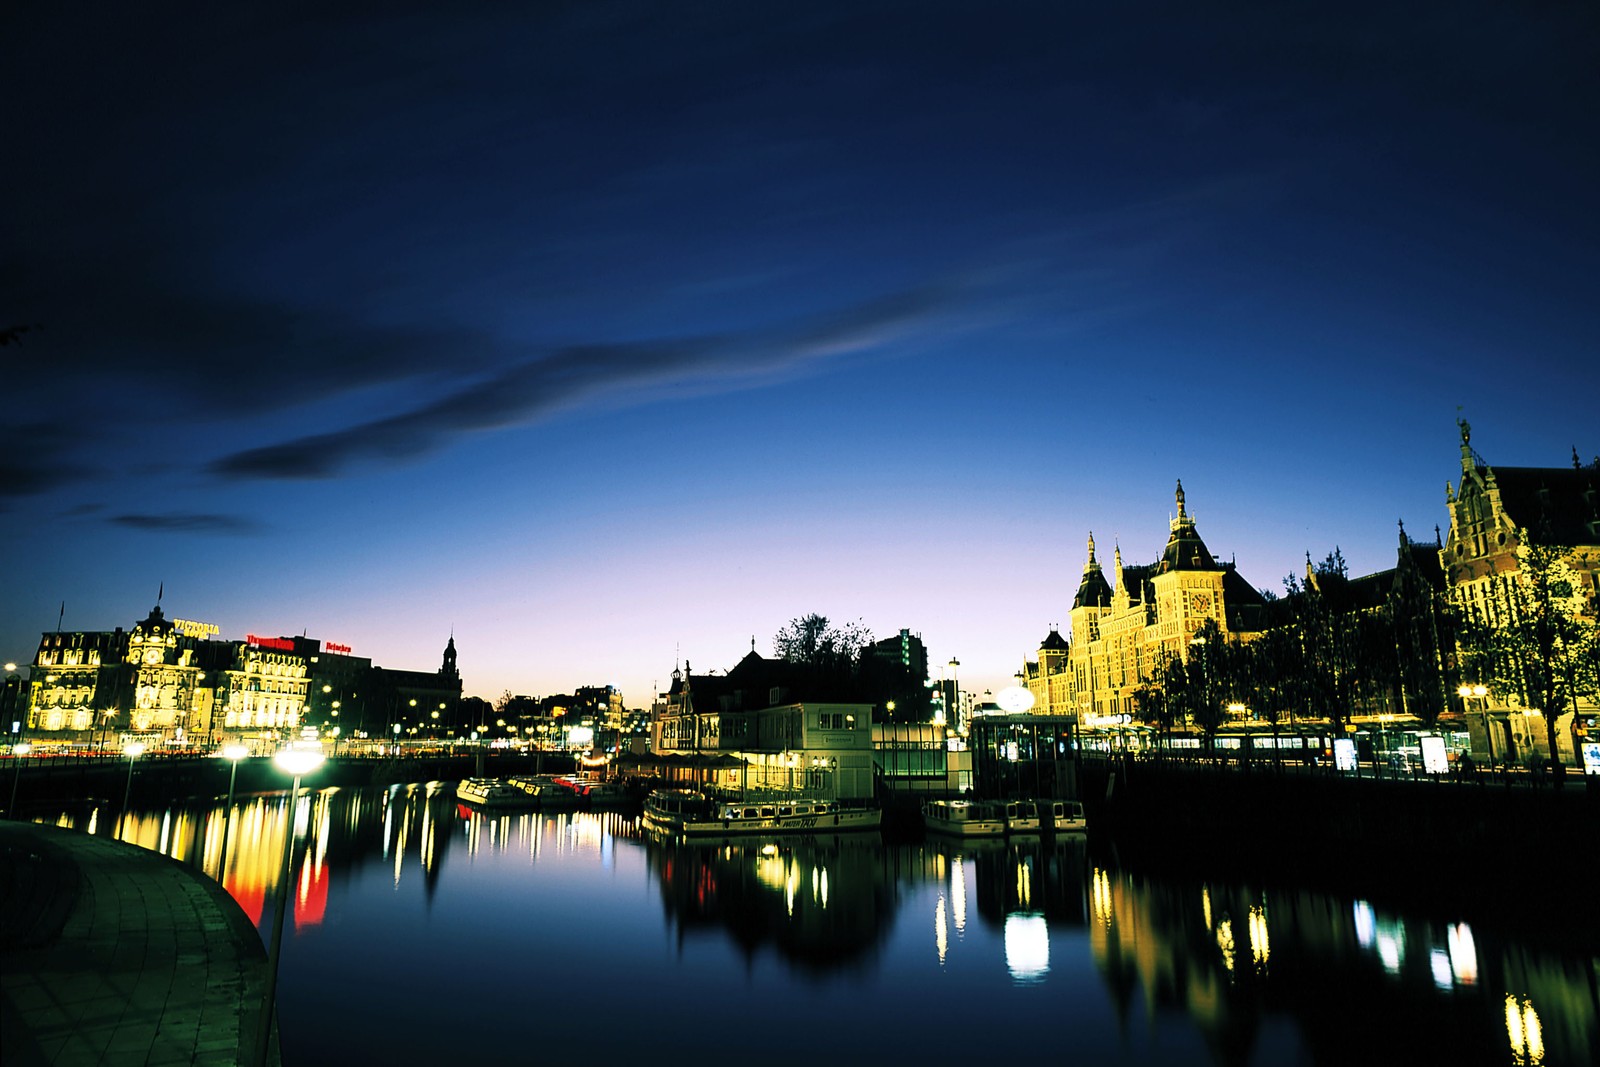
[{"x": 422, "y": 932}]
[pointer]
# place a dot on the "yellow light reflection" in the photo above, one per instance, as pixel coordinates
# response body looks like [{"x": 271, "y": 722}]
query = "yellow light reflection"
[
  {"x": 1100, "y": 897},
  {"x": 1024, "y": 884},
  {"x": 1524, "y": 1031},
  {"x": 1260, "y": 946},
  {"x": 1225, "y": 942},
  {"x": 1205, "y": 904}
]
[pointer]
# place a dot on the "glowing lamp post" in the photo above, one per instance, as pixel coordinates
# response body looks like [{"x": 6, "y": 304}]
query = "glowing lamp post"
[
  {"x": 133, "y": 750},
  {"x": 18, "y": 752},
  {"x": 233, "y": 754},
  {"x": 296, "y": 762}
]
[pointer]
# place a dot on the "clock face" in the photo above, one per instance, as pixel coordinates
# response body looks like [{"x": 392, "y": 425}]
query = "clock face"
[{"x": 1201, "y": 601}]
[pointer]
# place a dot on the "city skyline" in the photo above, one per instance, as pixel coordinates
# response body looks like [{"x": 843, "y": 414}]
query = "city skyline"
[{"x": 606, "y": 340}]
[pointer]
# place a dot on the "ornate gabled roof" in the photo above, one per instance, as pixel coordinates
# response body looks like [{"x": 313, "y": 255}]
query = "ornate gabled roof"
[
  {"x": 1053, "y": 642},
  {"x": 1247, "y": 610},
  {"x": 1093, "y": 592},
  {"x": 1185, "y": 551}
]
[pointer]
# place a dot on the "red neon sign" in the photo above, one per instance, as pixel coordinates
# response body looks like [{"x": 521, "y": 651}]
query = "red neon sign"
[
  {"x": 282, "y": 644},
  {"x": 329, "y": 646}
]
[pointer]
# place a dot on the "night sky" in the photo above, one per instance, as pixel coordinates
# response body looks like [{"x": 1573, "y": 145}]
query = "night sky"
[{"x": 608, "y": 334}]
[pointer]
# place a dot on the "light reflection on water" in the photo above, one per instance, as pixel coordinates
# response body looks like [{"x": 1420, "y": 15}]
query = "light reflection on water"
[{"x": 419, "y": 925}]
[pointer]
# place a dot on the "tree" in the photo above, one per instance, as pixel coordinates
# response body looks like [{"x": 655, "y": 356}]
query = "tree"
[
  {"x": 1547, "y": 646},
  {"x": 810, "y": 640}
]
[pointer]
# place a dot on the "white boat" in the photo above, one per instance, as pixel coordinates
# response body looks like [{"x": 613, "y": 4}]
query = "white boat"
[
  {"x": 527, "y": 791},
  {"x": 688, "y": 813},
  {"x": 966, "y": 818},
  {"x": 1066, "y": 816},
  {"x": 1022, "y": 817},
  {"x": 490, "y": 793}
]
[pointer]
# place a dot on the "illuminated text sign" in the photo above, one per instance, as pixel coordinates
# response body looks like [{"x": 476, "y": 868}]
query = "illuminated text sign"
[
  {"x": 282, "y": 644},
  {"x": 189, "y": 628},
  {"x": 329, "y": 646}
]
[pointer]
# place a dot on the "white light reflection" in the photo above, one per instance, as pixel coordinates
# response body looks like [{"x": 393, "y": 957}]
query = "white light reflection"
[
  {"x": 1439, "y": 965},
  {"x": 1366, "y": 924},
  {"x": 1391, "y": 946},
  {"x": 941, "y": 932},
  {"x": 1027, "y": 938},
  {"x": 1463, "y": 954},
  {"x": 958, "y": 895}
]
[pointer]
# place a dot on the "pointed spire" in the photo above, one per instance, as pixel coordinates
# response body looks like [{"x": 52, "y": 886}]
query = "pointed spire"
[
  {"x": 1467, "y": 462},
  {"x": 1116, "y": 555},
  {"x": 1092, "y": 564},
  {"x": 1182, "y": 514},
  {"x": 1449, "y": 492},
  {"x": 1577, "y": 464},
  {"x": 1402, "y": 524},
  {"x": 161, "y": 592}
]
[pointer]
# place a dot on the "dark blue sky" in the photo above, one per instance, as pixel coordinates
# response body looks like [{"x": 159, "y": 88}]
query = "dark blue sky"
[{"x": 602, "y": 333}]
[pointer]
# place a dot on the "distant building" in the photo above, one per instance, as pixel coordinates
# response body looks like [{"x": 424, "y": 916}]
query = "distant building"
[
  {"x": 894, "y": 674},
  {"x": 752, "y": 729},
  {"x": 1125, "y": 627},
  {"x": 167, "y": 679}
]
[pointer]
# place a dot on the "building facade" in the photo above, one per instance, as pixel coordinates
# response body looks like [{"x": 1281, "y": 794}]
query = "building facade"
[
  {"x": 1126, "y": 625},
  {"x": 168, "y": 681},
  {"x": 1495, "y": 513}
]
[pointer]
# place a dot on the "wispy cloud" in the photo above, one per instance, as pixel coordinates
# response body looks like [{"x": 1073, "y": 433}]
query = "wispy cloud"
[
  {"x": 189, "y": 522},
  {"x": 536, "y": 388}
]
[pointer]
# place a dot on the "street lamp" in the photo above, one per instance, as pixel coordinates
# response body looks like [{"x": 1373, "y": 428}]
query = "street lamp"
[
  {"x": 1480, "y": 692},
  {"x": 233, "y": 754},
  {"x": 133, "y": 750},
  {"x": 296, "y": 762},
  {"x": 18, "y": 752}
]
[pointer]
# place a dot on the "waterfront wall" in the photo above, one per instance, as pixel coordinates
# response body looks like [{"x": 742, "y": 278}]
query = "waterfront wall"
[
  {"x": 71, "y": 779},
  {"x": 1471, "y": 844}
]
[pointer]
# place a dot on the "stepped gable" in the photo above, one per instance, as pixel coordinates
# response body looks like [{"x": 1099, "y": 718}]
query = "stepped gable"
[
  {"x": 1185, "y": 551},
  {"x": 1556, "y": 505}
]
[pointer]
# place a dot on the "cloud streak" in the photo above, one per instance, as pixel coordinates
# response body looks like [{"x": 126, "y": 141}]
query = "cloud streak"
[
  {"x": 536, "y": 388},
  {"x": 188, "y": 522}
]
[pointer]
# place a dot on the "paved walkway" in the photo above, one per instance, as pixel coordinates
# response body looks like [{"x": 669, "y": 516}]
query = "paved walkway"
[{"x": 112, "y": 954}]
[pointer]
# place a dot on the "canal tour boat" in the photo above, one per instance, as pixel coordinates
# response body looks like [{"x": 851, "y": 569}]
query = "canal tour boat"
[
  {"x": 1066, "y": 816},
  {"x": 1022, "y": 817},
  {"x": 965, "y": 818},
  {"x": 530, "y": 791},
  {"x": 689, "y": 813},
  {"x": 490, "y": 793}
]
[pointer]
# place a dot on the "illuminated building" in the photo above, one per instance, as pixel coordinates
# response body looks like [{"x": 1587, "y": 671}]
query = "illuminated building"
[
  {"x": 168, "y": 677},
  {"x": 747, "y": 730},
  {"x": 1124, "y": 627},
  {"x": 1494, "y": 512}
]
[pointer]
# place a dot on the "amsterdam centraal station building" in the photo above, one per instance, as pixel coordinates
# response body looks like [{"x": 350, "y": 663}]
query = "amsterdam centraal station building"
[{"x": 170, "y": 682}]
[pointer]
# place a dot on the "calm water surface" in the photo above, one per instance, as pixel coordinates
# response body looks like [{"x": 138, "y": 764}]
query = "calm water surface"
[{"x": 424, "y": 932}]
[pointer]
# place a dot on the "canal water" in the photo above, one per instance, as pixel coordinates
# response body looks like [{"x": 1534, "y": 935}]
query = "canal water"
[{"x": 424, "y": 932}]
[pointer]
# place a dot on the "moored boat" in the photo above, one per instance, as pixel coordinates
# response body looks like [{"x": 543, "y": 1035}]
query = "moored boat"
[
  {"x": 1022, "y": 817},
  {"x": 688, "y": 813},
  {"x": 1066, "y": 816},
  {"x": 966, "y": 818},
  {"x": 490, "y": 793}
]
